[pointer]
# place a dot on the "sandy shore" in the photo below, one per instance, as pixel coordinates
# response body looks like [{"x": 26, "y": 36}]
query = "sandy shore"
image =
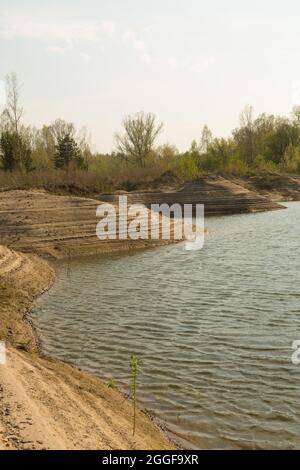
[
  {"x": 278, "y": 187},
  {"x": 219, "y": 195},
  {"x": 51, "y": 405},
  {"x": 47, "y": 404},
  {"x": 56, "y": 226}
]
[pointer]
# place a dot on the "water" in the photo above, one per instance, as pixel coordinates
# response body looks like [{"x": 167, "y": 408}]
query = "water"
[{"x": 214, "y": 329}]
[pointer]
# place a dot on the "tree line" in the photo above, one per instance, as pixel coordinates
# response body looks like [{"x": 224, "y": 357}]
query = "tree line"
[
  {"x": 264, "y": 143},
  {"x": 21, "y": 147}
]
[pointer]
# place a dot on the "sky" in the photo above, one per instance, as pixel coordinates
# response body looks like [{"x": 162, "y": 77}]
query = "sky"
[{"x": 191, "y": 62}]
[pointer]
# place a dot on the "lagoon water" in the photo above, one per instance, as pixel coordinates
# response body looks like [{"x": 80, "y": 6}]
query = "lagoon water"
[{"x": 214, "y": 329}]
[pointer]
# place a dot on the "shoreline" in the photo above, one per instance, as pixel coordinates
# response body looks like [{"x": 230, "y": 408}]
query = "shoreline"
[
  {"x": 47, "y": 403},
  {"x": 36, "y": 412},
  {"x": 160, "y": 425},
  {"x": 36, "y": 225}
]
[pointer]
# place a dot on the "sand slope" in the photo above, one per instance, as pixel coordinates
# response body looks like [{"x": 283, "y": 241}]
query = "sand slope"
[
  {"x": 50, "y": 405},
  {"x": 279, "y": 187},
  {"x": 219, "y": 195},
  {"x": 56, "y": 226},
  {"x": 22, "y": 277},
  {"x": 46, "y": 403}
]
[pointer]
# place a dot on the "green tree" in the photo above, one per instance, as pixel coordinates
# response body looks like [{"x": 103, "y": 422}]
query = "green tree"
[
  {"x": 219, "y": 155},
  {"x": 7, "y": 147},
  {"x": 67, "y": 152},
  {"x": 292, "y": 158},
  {"x": 15, "y": 152},
  {"x": 167, "y": 152},
  {"x": 285, "y": 133},
  {"x": 245, "y": 135}
]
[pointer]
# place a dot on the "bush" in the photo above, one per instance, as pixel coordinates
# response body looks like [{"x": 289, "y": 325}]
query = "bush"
[{"x": 15, "y": 152}]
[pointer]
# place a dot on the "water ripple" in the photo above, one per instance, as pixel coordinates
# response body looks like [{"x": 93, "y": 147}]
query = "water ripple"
[{"x": 214, "y": 329}]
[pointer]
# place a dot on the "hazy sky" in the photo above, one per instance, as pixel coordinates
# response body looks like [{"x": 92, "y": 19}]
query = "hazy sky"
[{"x": 190, "y": 62}]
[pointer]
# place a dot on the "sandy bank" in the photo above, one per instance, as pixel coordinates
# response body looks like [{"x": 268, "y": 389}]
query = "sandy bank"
[
  {"x": 22, "y": 277},
  {"x": 219, "y": 195},
  {"x": 47, "y": 404},
  {"x": 50, "y": 405},
  {"x": 279, "y": 187},
  {"x": 56, "y": 226}
]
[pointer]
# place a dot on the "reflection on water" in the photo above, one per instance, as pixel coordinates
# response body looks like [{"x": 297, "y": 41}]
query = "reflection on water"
[{"x": 214, "y": 329}]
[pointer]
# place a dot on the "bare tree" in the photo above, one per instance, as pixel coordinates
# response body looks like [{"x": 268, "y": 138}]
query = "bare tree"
[
  {"x": 247, "y": 132},
  {"x": 13, "y": 112},
  {"x": 206, "y": 139},
  {"x": 61, "y": 128},
  {"x": 141, "y": 132},
  {"x": 296, "y": 114},
  {"x": 246, "y": 117}
]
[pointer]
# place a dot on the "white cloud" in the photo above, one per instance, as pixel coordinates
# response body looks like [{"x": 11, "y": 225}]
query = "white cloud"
[
  {"x": 23, "y": 26},
  {"x": 132, "y": 38},
  {"x": 49, "y": 28},
  {"x": 65, "y": 34},
  {"x": 172, "y": 63},
  {"x": 85, "y": 57},
  {"x": 146, "y": 58},
  {"x": 129, "y": 35},
  {"x": 139, "y": 45},
  {"x": 57, "y": 49},
  {"x": 148, "y": 29},
  {"x": 62, "y": 34},
  {"x": 109, "y": 28}
]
